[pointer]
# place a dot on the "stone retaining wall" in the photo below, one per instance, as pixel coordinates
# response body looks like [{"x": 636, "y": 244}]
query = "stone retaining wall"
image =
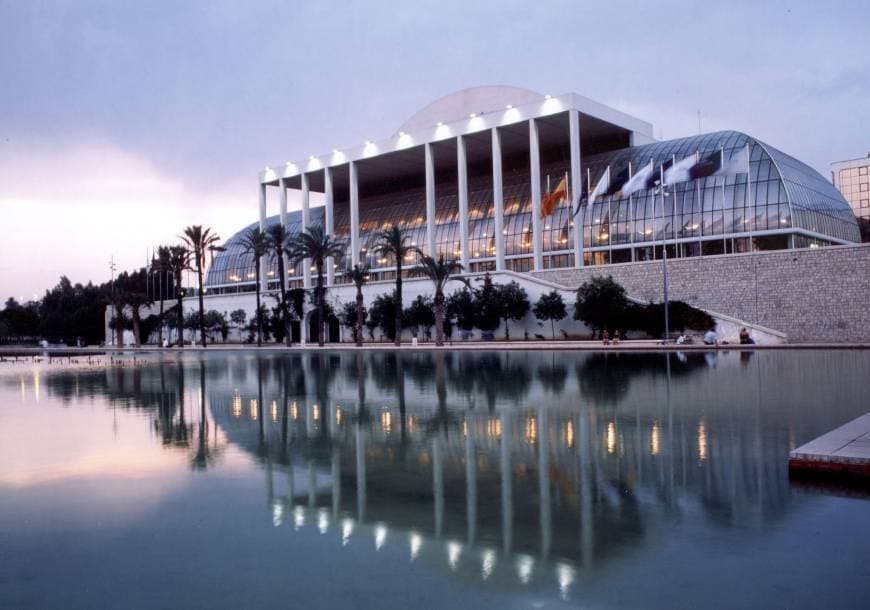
[{"x": 818, "y": 294}]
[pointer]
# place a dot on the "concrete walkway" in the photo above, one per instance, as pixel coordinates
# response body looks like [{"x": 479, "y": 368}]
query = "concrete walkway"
[
  {"x": 845, "y": 450},
  {"x": 559, "y": 345}
]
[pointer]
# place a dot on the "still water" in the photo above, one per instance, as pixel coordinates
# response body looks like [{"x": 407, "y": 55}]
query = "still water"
[{"x": 451, "y": 480}]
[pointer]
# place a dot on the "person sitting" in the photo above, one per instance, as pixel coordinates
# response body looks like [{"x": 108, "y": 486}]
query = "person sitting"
[
  {"x": 615, "y": 336},
  {"x": 710, "y": 337},
  {"x": 605, "y": 337},
  {"x": 745, "y": 338},
  {"x": 681, "y": 339}
]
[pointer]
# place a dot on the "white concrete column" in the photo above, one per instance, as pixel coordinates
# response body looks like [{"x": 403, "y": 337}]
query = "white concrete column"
[
  {"x": 354, "y": 214},
  {"x": 329, "y": 220},
  {"x": 498, "y": 200},
  {"x": 576, "y": 184},
  {"x": 535, "y": 158},
  {"x": 462, "y": 171},
  {"x": 282, "y": 190},
  {"x": 306, "y": 220},
  {"x": 430, "y": 201},
  {"x": 264, "y": 265}
]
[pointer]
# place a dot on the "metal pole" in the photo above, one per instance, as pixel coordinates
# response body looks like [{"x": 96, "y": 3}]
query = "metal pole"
[{"x": 664, "y": 254}]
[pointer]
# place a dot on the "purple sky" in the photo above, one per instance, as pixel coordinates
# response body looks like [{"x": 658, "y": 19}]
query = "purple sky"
[{"x": 120, "y": 123}]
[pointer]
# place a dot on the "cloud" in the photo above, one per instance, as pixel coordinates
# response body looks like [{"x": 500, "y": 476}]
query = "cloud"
[{"x": 67, "y": 209}]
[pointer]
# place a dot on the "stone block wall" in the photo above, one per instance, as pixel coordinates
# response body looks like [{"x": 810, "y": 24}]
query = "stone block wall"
[{"x": 812, "y": 295}]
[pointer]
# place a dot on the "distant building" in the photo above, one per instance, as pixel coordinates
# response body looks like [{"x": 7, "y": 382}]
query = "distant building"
[{"x": 852, "y": 178}]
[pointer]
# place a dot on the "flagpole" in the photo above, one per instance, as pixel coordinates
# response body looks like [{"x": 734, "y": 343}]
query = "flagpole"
[
  {"x": 664, "y": 255},
  {"x": 631, "y": 216}
]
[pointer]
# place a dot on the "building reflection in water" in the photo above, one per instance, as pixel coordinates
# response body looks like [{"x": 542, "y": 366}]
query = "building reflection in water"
[
  {"x": 530, "y": 481},
  {"x": 504, "y": 466}
]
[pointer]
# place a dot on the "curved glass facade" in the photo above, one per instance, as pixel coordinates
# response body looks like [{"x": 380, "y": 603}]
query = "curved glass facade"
[{"x": 781, "y": 203}]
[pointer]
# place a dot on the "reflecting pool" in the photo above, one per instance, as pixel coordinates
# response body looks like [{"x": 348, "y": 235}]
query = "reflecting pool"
[{"x": 428, "y": 480}]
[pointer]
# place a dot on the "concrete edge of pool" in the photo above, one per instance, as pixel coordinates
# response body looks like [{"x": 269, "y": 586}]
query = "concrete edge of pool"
[
  {"x": 625, "y": 346},
  {"x": 842, "y": 451}
]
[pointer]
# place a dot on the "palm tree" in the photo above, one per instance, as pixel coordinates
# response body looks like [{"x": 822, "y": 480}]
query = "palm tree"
[
  {"x": 276, "y": 239},
  {"x": 254, "y": 241},
  {"x": 394, "y": 242},
  {"x": 177, "y": 264},
  {"x": 314, "y": 243},
  {"x": 199, "y": 241},
  {"x": 161, "y": 266},
  {"x": 440, "y": 272},
  {"x": 359, "y": 275},
  {"x": 134, "y": 294}
]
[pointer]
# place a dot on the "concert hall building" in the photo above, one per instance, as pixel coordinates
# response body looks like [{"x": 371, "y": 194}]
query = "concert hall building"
[{"x": 466, "y": 177}]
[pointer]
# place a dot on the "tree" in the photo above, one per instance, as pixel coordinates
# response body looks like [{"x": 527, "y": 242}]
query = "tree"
[
  {"x": 440, "y": 272},
  {"x": 601, "y": 303},
  {"x": 359, "y": 275},
  {"x": 238, "y": 317},
  {"x": 550, "y": 307},
  {"x": 350, "y": 318},
  {"x": 132, "y": 291},
  {"x": 199, "y": 241},
  {"x": 179, "y": 262},
  {"x": 460, "y": 307},
  {"x": 254, "y": 242},
  {"x": 394, "y": 242},
  {"x": 420, "y": 314},
  {"x": 21, "y": 321},
  {"x": 382, "y": 314},
  {"x": 65, "y": 313},
  {"x": 487, "y": 306},
  {"x": 315, "y": 244},
  {"x": 650, "y": 318},
  {"x": 216, "y": 322},
  {"x": 513, "y": 304},
  {"x": 276, "y": 237},
  {"x": 160, "y": 264}
]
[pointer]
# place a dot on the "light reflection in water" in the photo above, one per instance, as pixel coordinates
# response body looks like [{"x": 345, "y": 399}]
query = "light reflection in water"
[
  {"x": 525, "y": 566},
  {"x": 346, "y": 530},
  {"x": 611, "y": 437},
  {"x": 487, "y": 565},
  {"x": 380, "y": 535},
  {"x": 702, "y": 440},
  {"x": 416, "y": 542},
  {"x": 454, "y": 552}
]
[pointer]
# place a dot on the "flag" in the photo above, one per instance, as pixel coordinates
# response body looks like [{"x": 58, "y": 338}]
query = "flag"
[
  {"x": 737, "y": 164},
  {"x": 655, "y": 178},
  {"x": 601, "y": 187},
  {"x": 681, "y": 171},
  {"x": 714, "y": 164},
  {"x": 548, "y": 205},
  {"x": 638, "y": 181},
  {"x": 617, "y": 182},
  {"x": 709, "y": 165}
]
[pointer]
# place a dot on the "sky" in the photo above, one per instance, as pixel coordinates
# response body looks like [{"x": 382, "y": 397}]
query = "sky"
[{"x": 122, "y": 122}]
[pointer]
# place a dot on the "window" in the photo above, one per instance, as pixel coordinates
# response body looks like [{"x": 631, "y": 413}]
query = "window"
[
  {"x": 864, "y": 187},
  {"x": 862, "y": 171},
  {"x": 865, "y": 203}
]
